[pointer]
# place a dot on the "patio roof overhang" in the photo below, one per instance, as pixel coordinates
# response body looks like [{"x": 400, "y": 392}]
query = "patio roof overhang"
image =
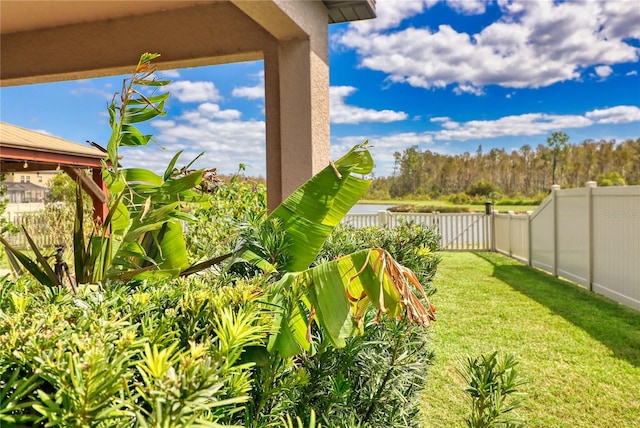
[
  {"x": 46, "y": 41},
  {"x": 26, "y": 150}
]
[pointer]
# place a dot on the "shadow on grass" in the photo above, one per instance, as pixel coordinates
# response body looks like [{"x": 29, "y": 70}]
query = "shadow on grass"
[{"x": 615, "y": 326}]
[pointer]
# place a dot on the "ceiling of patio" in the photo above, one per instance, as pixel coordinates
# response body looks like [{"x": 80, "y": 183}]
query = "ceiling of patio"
[{"x": 44, "y": 41}]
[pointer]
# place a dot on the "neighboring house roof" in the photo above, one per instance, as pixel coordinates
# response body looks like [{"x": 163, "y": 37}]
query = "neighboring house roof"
[
  {"x": 14, "y": 136},
  {"x": 26, "y": 150},
  {"x": 22, "y": 187},
  {"x": 19, "y": 145}
]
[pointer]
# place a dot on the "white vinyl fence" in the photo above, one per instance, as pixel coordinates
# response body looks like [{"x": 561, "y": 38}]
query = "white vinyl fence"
[
  {"x": 458, "y": 231},
  {"x": 38, "y": 228},
  {"x": 590, "y": 236}
]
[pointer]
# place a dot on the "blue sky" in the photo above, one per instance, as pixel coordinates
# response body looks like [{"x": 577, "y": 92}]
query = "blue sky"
[{"x": 446, "y": 76}]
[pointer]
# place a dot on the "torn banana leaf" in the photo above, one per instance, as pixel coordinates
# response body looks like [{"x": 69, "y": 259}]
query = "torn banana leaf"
[{"x": 336, "y": 296}]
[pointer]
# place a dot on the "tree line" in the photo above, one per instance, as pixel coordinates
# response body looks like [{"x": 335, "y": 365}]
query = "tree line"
[{"x": 526, "y": 172}]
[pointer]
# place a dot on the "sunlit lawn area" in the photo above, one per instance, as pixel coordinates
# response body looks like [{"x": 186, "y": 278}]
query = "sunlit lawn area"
[{"x": 580, "y": 352}]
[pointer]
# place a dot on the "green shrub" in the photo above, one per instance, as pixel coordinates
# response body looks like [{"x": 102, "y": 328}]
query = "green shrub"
[
  {"x": 481, "y": 188},
  {"x": 610, "y": 179},
  {"x": 376, "y": 379},
  {"x": 459, "y": 199},
  {"x": 492, "y": 387},
  {"x": 127, "y": 356},
  {"x": 232, "y": 206}
]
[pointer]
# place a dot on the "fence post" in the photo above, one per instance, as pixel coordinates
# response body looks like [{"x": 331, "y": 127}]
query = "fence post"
[
  {"x": 529, "y": 240},
  {"x": 382, "y": 218},
  {"x": 554, "y": 200},
  {"x": 436, "y": 222},
  {"x": 509, "y": 234},
  {"x": 590, "y": 185},
  {"x": 493, "y": 230}
]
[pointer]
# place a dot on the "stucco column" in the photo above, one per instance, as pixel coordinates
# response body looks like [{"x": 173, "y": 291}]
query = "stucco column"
[{"x": 297, "y": 112}]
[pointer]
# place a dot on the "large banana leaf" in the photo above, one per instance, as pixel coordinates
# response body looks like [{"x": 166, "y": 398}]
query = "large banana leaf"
[
  {"x": 310, "y": 213},
  {"x": 336, "y": 295}
]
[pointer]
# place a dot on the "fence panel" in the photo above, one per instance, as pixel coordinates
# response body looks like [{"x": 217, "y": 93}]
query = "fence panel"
[
  {"x": 519, "y": 237},
  {"x": 572, "y": 251},
  {"x": 542, "y": 236},
  {"x": 616, "y": 244},
  {"x": 502, "y": 231},
  {"x": 590, "y": 236},
  {"x": 458, "y": 231},
  {"x": 362, "y": 220},
  {"x": 512, "y": 235},
  {"x": 38, "y": 229}
]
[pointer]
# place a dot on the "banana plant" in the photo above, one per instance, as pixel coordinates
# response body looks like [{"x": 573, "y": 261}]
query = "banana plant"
[
  {"x": 334, "y": 295},
  {"x": 142, "y": 234}
]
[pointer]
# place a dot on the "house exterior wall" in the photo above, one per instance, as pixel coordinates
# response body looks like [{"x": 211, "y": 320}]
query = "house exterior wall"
[{"x": 41, "y": 178}]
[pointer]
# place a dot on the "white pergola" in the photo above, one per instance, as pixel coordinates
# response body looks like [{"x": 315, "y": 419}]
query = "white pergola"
[{"x": 46, "y": 41}]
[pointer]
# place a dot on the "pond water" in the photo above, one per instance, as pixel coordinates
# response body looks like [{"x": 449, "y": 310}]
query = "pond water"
[{"x": 369, "y": 208}]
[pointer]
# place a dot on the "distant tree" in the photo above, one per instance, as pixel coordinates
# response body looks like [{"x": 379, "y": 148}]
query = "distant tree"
[
  {"x": 62, "y": 188},
  {"x": 5, "y": 225},
  {"x": 557, "y": 142}
]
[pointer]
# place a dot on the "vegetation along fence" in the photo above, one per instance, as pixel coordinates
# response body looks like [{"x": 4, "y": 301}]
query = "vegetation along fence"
[
  {"x": 39, "y": 229},
  {"x": 589, "y": 235},
  {"x": 458, "y": 231}
]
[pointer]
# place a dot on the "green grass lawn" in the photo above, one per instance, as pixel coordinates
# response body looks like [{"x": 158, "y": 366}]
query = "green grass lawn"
[{"x": 580, "y": 352}]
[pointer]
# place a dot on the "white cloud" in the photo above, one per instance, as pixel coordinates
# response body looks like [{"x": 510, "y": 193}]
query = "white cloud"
[
  {"x": 440, "y": 119},
  {"x": 468, "y": 7},
  {"x": 86, "y": 87},
  {"x": 187, "y": 91},
  {"x": 212, "y": 111},
  {"x": 251, "y": 92},
  {"x": 382, "y": 148},
  {"x": 390, "y": 13},
  {"x": 170, "y": 74},
  {"x": 516, "y": 125},
  {"x": 528, "y": 124},
  {"x": 603, "y": 71},
  {"x": 344, "y": 113},
  {"x": 226, "y": 140},
  {"x": 616, "y": 115},
  {"x": 632, "y": 73},
  {"x": 469, "y": 89},
  {"x": 534, "y": 44}
]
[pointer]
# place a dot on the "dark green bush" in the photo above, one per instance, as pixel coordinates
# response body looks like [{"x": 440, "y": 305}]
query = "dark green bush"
[
  {"x": 481, "y": 188},
  {"x": 376, "y": 380}
]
